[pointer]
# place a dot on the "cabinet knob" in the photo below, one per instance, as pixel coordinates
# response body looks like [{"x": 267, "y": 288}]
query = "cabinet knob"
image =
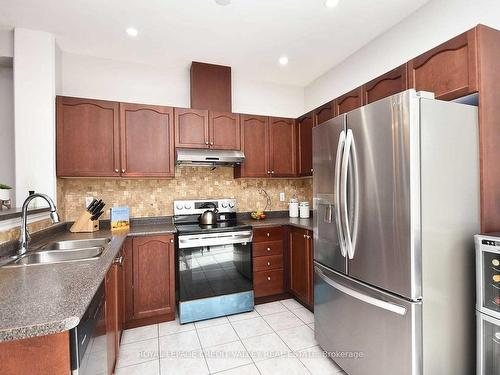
[
  {"x": 312, "y": 170},
  {"x": 272, "y": 172},
  {"x": 206, "y": 142},
  {"x": 117, "y": 170},
  {"x": 123, "y": 170},
  {"x": 211, "y": 143},
  {"x": 172, "y": 240},
  {"x": 269, "y": 278},
  {"x": 268, "y": 249},
  {"x": 268, "y": 172},
  {"x": 269, "y": 264},
  {"x": 304, "y": 236},
  {"x": 119, "y": 261}
]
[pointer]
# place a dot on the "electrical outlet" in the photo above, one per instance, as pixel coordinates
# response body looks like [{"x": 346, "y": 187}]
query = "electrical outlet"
[
  {"x": 282, "y": 197},
  {"x": 88, "y": 201}
]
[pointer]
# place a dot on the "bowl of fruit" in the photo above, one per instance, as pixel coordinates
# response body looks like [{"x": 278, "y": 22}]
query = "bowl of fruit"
[{"x": 258, "y": 215}]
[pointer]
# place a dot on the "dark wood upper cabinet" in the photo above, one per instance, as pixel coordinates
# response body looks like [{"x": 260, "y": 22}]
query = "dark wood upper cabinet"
[
  {"x": 300, "y": 268},
  {"x": 448, "y": 70},
  {"x": 147, "y": 140},
  {"x": 153, "y": 276},
  {"x": 386, "y": 85},
  {"x": 88, "y": 143},
  {"x": 255, "y": 145},
  {"x": 211, "y": 87},
  {"x": 347, "y": 102},
  {"x": 324, "y": 113},
  {"x": 224, "y": 130},
  {"x": 304, "y": 136},
  {"x": 282, "y": 146},
  {"x": 191, "y": 128}
]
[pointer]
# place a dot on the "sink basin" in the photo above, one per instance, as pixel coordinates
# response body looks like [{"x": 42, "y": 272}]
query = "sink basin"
[
  {"x": 57, "y": 256},
  {"x": 76, "y": 244}
]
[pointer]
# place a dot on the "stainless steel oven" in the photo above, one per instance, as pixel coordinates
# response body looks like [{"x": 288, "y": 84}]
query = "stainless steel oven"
[
  {"x": 215, "y": 274},
  {"x": 214, "y": 262},
  {"x": 488, "y": 304}
]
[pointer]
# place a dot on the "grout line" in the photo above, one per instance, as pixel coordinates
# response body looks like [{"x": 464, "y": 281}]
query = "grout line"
[
  {"x": 201, "y": 348},
  {"x": 159, "y": 349},
  {"x": 134, "y": 364},
  {"x": 243, "y": 344}
]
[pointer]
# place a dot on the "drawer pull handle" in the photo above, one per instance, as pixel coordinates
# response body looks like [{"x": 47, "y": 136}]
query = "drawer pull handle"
[
  {"x": 268, "y": 249},
  {"x": 269, "y": 264},
  {"x": 269, "y": 278}
]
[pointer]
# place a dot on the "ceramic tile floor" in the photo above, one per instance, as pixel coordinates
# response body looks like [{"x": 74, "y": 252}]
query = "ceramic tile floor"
[{"x": 276, "y": 338}]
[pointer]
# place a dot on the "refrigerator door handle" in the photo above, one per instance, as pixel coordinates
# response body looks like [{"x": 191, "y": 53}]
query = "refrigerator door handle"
[
  {"x": 400, "y": 310},
  {"x": 343, "y": 194},
  {"x": 338, "y": 198}
]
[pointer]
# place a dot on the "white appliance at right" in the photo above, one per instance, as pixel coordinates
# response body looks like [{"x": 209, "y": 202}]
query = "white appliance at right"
[
  {"x": 488, "y": 303},
  {"x": 396, "y": 200}
]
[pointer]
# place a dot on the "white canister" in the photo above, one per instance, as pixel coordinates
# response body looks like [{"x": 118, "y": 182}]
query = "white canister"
[
  {"x": 293, "y": 207},
  {"x": 304, "y": 210}
]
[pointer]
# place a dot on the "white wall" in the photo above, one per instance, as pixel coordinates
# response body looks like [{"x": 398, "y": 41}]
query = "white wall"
[
  {"x": 34, "y": 111},
  {"x": 6, "y": 42},
  {"x": 99, "y": 78},
  {"x": 7, "y": 161},
  {"x": 429, "y": 26}
]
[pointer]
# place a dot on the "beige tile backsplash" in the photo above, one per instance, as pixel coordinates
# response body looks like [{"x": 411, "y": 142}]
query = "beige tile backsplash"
[
  {"x": 15, "y": 233},
  {"x": 154, "y": 197}
]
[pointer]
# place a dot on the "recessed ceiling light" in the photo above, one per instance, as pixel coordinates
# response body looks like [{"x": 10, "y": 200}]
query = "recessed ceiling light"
[
  {"x": 223, "y": 2},
  {"x": 132, "y": 31},
  {"x": 283, "y": 60},
  {"x": 331, "y": 3}
]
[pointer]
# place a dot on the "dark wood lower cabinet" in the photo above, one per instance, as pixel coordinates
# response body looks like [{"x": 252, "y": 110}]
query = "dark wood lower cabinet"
[
  {"x": 43, "y": 355},
  {"x": 300, "y": 265},
  {"x": 111, "y": 311},
  {"x": 149, "y": 277},
  {"x": 267, "y": 255}
]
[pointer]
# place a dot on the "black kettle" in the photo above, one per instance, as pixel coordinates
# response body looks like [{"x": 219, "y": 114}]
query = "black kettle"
[{"x": 209, "y": 217}]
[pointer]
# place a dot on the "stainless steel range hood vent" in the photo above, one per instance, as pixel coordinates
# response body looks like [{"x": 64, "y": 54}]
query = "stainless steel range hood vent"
[{"x": 209, "y": 158}]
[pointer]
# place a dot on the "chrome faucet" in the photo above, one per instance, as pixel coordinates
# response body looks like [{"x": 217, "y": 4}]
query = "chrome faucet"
[{"x": 24, "y": 222}]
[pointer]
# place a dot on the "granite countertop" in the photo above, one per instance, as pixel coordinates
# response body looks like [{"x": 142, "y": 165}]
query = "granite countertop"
[
  {"x": 40, "y": 300},
  {"x": 276, "y": 221}
]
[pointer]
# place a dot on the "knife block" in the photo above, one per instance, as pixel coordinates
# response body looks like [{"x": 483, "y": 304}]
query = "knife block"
[{"x": 84, "y": 225}]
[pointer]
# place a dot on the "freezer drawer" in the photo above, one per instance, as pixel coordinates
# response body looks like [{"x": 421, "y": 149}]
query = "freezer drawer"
[
  {"x": 488, "y": 345},
  {"x": 366, "y": 331}
]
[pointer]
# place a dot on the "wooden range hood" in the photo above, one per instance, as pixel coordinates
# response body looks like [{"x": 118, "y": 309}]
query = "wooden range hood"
[{"x": 211, "y": 87}]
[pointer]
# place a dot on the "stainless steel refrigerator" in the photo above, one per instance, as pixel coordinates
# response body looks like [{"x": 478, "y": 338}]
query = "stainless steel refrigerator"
[{"x": 396, "y": 200}]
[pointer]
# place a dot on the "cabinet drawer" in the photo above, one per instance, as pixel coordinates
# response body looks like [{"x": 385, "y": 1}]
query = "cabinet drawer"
[
  {"x": 268, "y": 234},
  {"x": 268, "y": 263},
  {"x": 267, "y": 248},
  {"x": 267, "y": 283}
]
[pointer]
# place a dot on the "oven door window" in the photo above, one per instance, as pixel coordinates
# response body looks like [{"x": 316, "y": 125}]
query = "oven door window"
[{"x": 210, "y": 271}]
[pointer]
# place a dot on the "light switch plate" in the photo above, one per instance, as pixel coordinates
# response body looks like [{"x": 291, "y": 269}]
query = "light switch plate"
[{"x": 282, "y": 197}]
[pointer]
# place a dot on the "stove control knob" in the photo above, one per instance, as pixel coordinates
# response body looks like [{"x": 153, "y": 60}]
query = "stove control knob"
[
  {"x": 224, "y": 204},
  {"x": 187, "y": 206},
  {"x": 231, "y": 204},
  {"x": 179, "y": 206}
]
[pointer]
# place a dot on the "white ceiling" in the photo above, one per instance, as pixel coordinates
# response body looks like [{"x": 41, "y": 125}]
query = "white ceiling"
[{"x": 248, "y": 35}]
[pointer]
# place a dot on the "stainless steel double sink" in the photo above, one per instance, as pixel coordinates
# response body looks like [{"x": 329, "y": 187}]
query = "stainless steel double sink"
[{"x": 63, "y": 251}]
